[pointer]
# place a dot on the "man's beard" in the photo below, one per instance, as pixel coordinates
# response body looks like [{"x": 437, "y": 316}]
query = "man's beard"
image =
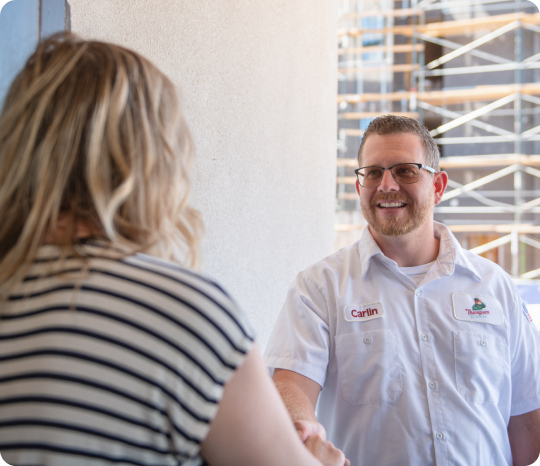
[{"x": 419, "y": 213}]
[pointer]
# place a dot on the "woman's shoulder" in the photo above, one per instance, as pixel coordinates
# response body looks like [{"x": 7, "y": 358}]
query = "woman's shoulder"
[
  {"x": 176, "y": 273},
  {"x": 187, "y": 288},
  {"x": 168, "y": 289}
]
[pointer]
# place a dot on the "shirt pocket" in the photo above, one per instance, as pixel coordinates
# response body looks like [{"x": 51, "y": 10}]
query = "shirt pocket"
[
  {"x": 479, "y": 359},
  {"x": 368, "y": 366}
]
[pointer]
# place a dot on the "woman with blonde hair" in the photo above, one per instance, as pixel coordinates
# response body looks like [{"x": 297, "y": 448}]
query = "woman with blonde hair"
[{"x": 111, "y": 350}]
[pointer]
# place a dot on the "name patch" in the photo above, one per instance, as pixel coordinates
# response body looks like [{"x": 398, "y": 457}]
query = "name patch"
[
  {"x": 361, "y": 312},
  {"x": 477, "y": 308}
]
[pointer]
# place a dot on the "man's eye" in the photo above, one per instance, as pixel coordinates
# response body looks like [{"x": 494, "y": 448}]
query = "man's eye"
[
  {"x": 405, "y": 171},
  {"x": 373, "y": 173}
]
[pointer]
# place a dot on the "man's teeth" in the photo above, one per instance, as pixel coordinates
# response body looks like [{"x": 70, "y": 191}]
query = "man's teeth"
[{"x": 387, "y": 205}]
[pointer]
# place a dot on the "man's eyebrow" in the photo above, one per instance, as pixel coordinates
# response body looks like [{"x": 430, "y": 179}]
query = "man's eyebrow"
[{"x": 394, "y": 164}]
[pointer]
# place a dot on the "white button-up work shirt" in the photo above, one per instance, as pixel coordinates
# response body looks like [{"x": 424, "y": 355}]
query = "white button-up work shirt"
[{"x": 412, "y": 375}]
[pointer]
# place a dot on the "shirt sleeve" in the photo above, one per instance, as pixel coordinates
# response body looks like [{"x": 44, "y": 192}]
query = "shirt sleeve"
[
  {"x": 525, "y": 357},
  {"x": 300, "y": 339}
]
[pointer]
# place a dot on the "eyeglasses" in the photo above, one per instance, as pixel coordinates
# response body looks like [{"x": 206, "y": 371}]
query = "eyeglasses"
[{"x": 403, "y": 173}]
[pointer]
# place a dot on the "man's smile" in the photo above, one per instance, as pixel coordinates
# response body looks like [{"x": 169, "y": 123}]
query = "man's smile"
[
  {"x": 391, "y": 204},
  {"x": 394, "y": 213}
]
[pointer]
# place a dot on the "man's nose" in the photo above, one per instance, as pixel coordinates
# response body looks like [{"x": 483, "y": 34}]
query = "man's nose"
[{"x": 388, "y": 183}]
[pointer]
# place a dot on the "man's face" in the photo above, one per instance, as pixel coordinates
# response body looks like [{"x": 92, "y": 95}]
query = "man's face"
[{"x": 393, "y": 209}]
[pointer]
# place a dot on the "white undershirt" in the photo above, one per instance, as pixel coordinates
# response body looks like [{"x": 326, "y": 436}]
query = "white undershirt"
[{"x": 418, "y": 272}]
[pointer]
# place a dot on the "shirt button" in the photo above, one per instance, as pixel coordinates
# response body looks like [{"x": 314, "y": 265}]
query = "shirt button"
[
  {"x": 439, "y": 436},
  {"x": 432, "y": 385},
  {"x": 417, "y": 293},
  {"x": 424, "y": 336},
  {"x": 483, "y": 342},
  {"x": 367, "y": 340}
]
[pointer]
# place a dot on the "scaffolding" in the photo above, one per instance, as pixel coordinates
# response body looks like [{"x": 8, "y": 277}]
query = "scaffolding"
[{"x": 469, "y": 72}]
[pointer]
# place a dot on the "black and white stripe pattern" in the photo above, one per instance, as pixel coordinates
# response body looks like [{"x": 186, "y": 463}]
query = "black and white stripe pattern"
[{"x": 119, "y": 361}]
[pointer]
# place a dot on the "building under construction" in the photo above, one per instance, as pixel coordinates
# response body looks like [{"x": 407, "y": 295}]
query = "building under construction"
[{"x": 469, "y": 71}]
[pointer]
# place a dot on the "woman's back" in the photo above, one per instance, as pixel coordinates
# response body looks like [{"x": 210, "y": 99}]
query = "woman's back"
[{"x": 113, "y": 360}]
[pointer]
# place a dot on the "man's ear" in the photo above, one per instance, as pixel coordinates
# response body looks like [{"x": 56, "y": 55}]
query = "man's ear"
[
  {"x": 440, "y": 181},
  {"x": 358, "y": 187}
]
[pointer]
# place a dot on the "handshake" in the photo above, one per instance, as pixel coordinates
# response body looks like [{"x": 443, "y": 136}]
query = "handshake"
[{"x": 314, "y": 437}]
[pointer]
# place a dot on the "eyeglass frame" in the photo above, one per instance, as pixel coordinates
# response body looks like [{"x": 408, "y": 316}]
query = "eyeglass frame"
[{"x": 419, "y": 165}]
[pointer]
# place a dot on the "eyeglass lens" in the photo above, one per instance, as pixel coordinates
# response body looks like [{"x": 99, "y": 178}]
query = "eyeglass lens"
[{"x": 405, "y": 173}]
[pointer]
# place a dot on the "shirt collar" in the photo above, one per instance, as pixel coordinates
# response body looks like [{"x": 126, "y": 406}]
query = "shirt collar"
[
  {"x": 450, "y": 252},
  {"x": 368, "y": 248}
]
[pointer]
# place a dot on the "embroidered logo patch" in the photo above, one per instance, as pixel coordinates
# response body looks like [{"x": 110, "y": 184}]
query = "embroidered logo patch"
[
  {"x": 363, "y": 312},
  {"x": 526, "y": 312},
  {"x": 476, "y": 308}
]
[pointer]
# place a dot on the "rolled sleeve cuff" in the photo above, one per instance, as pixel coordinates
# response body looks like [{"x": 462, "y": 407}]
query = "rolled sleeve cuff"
[
  {"x": 315, "y": 373},
  {"x": 526, "y": 406}
]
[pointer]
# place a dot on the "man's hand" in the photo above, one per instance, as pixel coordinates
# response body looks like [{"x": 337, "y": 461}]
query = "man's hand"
[
  {"x": 300, "y": 396},
  {"x": 325, "y": 451},
  {"x": 307, "y": 429},
  {"x": 314, "y": 437}
]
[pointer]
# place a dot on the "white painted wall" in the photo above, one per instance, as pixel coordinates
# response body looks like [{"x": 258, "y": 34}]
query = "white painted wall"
[{"x": 258, "y": 83}]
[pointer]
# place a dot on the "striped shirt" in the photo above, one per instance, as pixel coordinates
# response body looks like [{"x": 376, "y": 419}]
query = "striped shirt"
[{"x": 121, "y": 360}]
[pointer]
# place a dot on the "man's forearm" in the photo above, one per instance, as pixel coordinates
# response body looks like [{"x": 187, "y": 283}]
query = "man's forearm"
[
  {"x": 296, "y": 401},
  {"x": 299, "y": 394},
  {"x": 524, "y": 435}
]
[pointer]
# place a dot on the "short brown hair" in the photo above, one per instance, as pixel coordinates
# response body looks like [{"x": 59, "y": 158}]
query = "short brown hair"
[{"x": 391, "y": 124}]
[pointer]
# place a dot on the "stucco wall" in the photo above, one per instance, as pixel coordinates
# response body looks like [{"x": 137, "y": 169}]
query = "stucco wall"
[{"x": 258, "y": 87}]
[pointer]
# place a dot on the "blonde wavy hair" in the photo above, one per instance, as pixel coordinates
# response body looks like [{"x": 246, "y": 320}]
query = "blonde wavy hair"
[{"x": 93, "y": 132}]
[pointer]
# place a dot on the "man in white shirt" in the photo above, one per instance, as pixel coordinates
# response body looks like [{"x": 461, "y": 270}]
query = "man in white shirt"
[{"x": 384, "y": 337}]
